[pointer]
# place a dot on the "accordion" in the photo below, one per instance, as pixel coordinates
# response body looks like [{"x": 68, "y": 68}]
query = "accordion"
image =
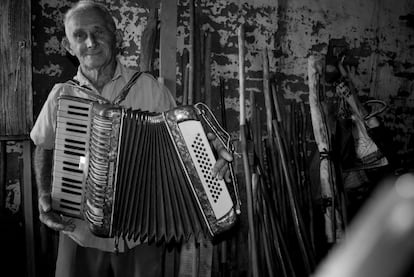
[{"x": 140, "y": 175}]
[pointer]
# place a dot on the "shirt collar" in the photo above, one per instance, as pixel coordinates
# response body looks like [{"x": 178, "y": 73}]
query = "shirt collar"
[{"x": 83, "y": 81}]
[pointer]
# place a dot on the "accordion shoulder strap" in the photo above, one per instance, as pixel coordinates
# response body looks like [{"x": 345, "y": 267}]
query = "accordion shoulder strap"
[
  {"x": 87, "y": 91},
  {"x": 125, "y": 90}
]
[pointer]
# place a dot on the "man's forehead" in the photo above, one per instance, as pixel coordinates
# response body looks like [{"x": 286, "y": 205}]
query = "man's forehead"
[
  {"x": 86, "y": 17},
  {"x": 84, "y": 20}
]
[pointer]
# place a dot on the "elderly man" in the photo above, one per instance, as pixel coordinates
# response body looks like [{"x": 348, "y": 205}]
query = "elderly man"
[{"x": 91, "y": 36}]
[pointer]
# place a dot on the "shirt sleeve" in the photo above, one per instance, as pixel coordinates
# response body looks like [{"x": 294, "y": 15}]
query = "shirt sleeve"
[{"x": 43, "y": 131}]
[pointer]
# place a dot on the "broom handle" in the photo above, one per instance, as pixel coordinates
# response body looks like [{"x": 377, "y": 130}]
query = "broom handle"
[
  {"x": 191, "y": 56},
  {"x": 207, "y": 69},
  {"x": 243, "y": 139}
]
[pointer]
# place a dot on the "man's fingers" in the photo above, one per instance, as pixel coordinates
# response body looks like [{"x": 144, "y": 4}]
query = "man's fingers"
[
  {"x": 215, "y": 142},
  {"x": 219, "y": 147},
  {"x": 69, "y": 227},
  {"x": 223, "y": 171},
  {"x": 227, "y": 176},
  {"x": 56, "y": 222},
  {"x": 219, "y": 168},
  {"x": 211, "y": 136},
  {"x": 216, "y": 168},
  {"x": 223, "y": 153},
  {"x": 51, "y": 221}
]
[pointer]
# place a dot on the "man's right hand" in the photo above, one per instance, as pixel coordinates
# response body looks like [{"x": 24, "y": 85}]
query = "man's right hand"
[{"x": 50, "y": 218}]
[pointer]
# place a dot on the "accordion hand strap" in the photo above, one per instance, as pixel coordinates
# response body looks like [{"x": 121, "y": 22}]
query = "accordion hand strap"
[{"x": 125, "y": 90}]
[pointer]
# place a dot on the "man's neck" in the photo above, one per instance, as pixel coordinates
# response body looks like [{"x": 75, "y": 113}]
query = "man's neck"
[{"x": 100, "y": 77}]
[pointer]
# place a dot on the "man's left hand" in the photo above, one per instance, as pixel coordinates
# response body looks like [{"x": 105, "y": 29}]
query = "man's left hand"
[{"x": 221, "y": 167}]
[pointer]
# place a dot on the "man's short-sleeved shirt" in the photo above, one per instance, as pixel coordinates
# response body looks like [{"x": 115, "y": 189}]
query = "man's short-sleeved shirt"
[{"x": 146, "y": 94}]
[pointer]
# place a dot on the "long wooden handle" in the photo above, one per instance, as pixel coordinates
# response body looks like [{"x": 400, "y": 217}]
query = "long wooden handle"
[
  {"x": 191, "y": 56},
  {"x": 148, "y": 42},
  {"x": 246, "y": 165},
  {"x": 207, "y": 69}
]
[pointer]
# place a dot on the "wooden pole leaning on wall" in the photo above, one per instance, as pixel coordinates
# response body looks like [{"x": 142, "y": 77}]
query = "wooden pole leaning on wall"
[
  {"x": 3, "y": 169},
  {"x": 280, "y": 154},
  {"x": 246, "y": 165},
  {"x": 168, "y": 44},
  {"x": 148, "y": 39},
  {"x": 207, "y": 69},
  {"x": 28, "y": 208},
  {"x": 333, "y": 219},
  {"x": 191, "y": 62}
]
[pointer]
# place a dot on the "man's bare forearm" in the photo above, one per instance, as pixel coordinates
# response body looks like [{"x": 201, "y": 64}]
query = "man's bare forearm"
[{"x": 43, "y": 170}]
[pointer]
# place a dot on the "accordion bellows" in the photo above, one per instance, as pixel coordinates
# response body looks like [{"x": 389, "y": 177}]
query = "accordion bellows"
[{"x": 139, "y": 175}]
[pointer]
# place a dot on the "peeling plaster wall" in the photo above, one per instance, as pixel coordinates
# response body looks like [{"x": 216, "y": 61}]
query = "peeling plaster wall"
[
  {"x": 222, "y": 18},
  {"x": 377, "y": 35},
  {"x": 377, "y": 32}
]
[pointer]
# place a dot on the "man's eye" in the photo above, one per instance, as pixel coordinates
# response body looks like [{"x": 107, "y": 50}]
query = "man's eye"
[
  {"x": 99, "y": 32},
  {"x": 79, "y": 36}
]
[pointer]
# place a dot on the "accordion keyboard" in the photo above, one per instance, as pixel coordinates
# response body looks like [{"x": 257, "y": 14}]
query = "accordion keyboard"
[{"x": 72, "y": 133}]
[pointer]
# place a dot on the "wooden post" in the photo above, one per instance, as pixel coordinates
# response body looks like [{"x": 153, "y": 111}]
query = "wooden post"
[
  {"x": 28, "y": 208},
  {"x": 333, "y": 219},
  {"x": 2, "y": 173},
  {"x": 168, "y": 44},
  {"x": 16, "y": 116},
  {"x": 246, "y": 165},
  {"x": 148, "y": 42},
  {"x": 207, "y": 69},
  {"x": 191, "y": 55}
]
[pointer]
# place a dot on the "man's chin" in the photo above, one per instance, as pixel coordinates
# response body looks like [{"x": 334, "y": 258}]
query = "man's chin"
[{"x": 96, "y": 65}]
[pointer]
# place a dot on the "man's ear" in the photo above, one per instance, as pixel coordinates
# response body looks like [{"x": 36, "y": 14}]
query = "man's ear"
[
  {"x": 66, "y": 44},
  {"x": 118, "y": 39}
]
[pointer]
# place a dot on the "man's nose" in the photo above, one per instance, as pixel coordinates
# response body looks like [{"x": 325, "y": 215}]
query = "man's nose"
[{"x": 90, "y": 41}]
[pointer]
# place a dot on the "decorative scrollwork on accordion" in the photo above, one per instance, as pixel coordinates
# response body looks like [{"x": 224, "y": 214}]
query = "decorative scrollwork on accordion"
[{"x": 140, "y": 175}]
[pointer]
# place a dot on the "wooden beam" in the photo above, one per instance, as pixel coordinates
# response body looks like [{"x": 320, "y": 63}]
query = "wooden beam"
[
  {"x": 191, "y": 56},
  {"x": 28, "y": 209},
  {"x": 148, "y": 42},
  {"x": 3, "y": 159},
  {"x": 16, "y": 114},
  {"x": 168, "y": 43}
]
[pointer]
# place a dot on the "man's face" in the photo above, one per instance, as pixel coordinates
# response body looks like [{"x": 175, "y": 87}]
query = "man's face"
[{"x": 90, "y": 39}]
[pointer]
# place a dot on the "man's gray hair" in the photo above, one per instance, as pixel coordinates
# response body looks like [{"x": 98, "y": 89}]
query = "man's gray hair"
[{"x": 91, "y": 5}]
